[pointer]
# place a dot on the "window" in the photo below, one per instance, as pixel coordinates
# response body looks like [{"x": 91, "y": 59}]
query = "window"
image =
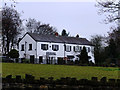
[
  {"x": 55, "y": 47},
  {"x": 44, "y": 46},
  {"x": 80, "y": 48},
  {"x": 40, "y": 59},
  {"x": 67, "y": 48},
  {"x": 88, "y": 49},
  {"x": 77, "y": 48},
  {"x": 22, "y": 47},
  {"x": 30, "y": 46}
]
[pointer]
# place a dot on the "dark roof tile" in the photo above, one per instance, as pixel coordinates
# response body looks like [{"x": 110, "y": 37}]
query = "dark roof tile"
[{"x": 59, "y": 39}]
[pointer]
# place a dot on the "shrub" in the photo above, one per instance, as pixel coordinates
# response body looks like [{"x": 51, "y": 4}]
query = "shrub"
[
  {"x": 13, "y": 53},
  {"x": 26, "y": 61},
  {"x": 84, "y": 59}
]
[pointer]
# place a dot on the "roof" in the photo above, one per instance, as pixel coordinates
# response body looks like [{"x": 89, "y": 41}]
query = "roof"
[{"x": 59, "y": 39}]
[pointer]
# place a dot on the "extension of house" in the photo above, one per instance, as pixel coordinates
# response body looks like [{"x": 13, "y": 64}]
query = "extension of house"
[{"x": 53, "y": 49}]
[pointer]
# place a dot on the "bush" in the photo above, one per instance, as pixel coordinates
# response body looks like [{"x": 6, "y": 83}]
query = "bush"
[
  {"x": 26, "y": 61},
  {"x": 13, "y": 53}
]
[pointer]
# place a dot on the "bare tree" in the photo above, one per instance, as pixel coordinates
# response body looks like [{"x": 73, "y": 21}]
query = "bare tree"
[
  {"x": 34, "y": 26},
  {"x": 31, "y": 25},
  {"x": 111, "y": 8},
  {"x": 98, "y": 42}
]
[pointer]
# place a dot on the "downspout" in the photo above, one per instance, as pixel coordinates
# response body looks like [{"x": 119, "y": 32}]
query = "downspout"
[
  {"x": 25, "y": 49},
  {"x": 64, "y": 50},
  {"x": 36, "y": 52}
]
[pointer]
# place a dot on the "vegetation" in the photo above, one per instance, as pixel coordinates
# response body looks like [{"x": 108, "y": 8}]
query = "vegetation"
[
  {"x": 13, "y": 53},
  {"x": 97, "y": 41},
  {"x": 34, "y": 26},
  {"x": 111, "y": 7},
  {"x": 64, "y": 33},
  {"x": 58, "y": 71},
  {"x": 11, "y": 27},
  {"x": 12, "y": 24},
  {"x": 84, "y": 59},
  {"x": 110, "y": 53}
]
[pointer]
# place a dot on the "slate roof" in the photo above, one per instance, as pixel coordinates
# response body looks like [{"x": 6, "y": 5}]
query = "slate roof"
[{"x": 59, "y": 39}]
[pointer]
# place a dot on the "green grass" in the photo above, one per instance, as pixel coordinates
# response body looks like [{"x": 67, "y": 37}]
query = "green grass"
[{"x": 58, "y": 71}]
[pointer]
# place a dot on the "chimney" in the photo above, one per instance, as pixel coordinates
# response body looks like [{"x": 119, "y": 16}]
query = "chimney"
[{"x": 56, "y": 34}]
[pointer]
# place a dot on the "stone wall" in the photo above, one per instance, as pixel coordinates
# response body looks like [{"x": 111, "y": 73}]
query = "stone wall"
[{"x": 30, "y": 83}]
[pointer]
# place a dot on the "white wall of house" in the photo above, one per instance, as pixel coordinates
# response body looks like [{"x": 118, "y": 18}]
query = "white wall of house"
[
  {"x": 72, "y": 52},
  {"x": 26, "y": 41},
  {"x": 58, "y": 53},
  {"x": 38, "y": 52}
]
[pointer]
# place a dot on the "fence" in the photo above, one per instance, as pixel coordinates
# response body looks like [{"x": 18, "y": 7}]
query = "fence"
[{"x": 67, "y": 83}]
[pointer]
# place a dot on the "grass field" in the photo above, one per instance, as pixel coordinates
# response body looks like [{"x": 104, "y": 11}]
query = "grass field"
[{"x": 58, "y": 71}]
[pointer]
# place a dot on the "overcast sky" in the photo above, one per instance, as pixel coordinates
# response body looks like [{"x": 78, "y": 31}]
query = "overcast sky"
[{"x": 76, "y": 17}]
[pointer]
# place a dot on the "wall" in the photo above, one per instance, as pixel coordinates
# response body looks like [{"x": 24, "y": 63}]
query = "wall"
[
  {"x": 39, "y": 52},
  {"x": 61, "y": 53},
  {"x": 28, "y": 41}
]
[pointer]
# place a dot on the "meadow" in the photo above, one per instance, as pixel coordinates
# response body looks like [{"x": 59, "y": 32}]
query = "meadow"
[{"x": 58, "y": 71}]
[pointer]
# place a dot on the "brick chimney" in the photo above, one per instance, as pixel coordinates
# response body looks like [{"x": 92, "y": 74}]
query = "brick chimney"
[{"x": 56, "y": 34}]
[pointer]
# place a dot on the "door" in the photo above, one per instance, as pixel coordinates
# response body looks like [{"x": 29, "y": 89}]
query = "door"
[
  {"x": 32, "y": 57},
  {"x": 60, "y": 60},
  {"x": 40, "y": 59}
]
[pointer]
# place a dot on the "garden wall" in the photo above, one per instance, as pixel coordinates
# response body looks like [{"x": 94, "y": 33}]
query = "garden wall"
[{"x": 67, "y": 83}]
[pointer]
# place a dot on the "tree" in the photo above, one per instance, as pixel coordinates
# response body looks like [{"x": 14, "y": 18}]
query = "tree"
[
  {"x": 112, "y": 49},
  {"x": 34, "y": 26},
  {"x": 77, "y": 36},
  {"x": 31, "y": 25},
  {"x": 11, "y": 27},
  {"x": 97, "y": 41},
  {"x": 111, "y": 52},
  {"x": 13, "y": 53},
  {"x": 112, "y": 9},
  {"x": 109, "y": 6},
  {"x": 84, "y": 58},
  {"x": 64, "y": 33}
]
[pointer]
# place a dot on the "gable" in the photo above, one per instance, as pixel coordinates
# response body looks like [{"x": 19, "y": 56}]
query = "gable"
[{"x": 27, "y": 36}]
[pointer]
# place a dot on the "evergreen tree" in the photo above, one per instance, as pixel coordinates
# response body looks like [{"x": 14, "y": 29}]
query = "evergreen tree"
[
  {"x": 112, "y": 49},
  {"x": 77, "y": 36},
  {"x": 84, "y": 56},
  {"x": 64, "y": 33}
]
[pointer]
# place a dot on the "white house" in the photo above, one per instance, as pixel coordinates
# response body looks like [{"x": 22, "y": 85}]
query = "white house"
[{"x": 52, "y": 49}]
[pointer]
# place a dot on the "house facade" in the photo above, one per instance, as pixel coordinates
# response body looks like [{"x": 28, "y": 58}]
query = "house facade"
[{"x": 48, "y": 49}]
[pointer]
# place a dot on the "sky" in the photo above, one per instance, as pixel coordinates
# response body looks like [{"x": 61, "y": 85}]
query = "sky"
[{"x": 75, "y": 17}]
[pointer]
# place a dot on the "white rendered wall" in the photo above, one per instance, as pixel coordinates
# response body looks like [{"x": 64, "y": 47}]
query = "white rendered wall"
[
  {"x": 28, "y": 41},
  {"x": 39, "y": 52}
]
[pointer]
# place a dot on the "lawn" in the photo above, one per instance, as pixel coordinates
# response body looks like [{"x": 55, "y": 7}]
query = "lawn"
[{"x": 58, "y": 71}]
